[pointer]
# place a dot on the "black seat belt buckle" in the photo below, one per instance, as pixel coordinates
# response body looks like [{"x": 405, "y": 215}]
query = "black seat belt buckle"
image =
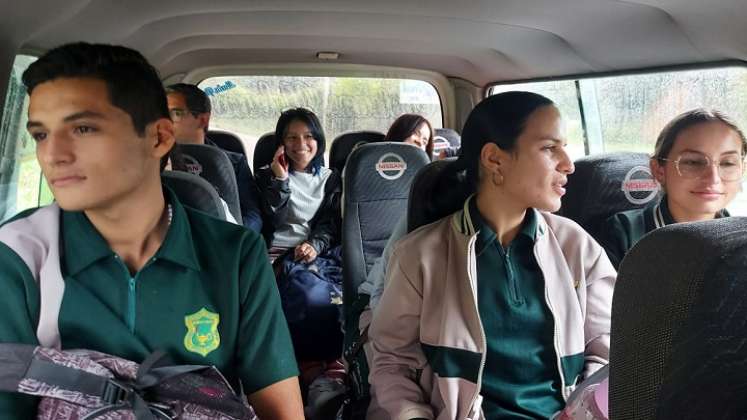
[{"x": 116, "y": 392}]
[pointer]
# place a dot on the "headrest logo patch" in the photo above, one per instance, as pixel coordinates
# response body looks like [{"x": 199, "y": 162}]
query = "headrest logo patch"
[
  {"x": 391, "y": 166},
  {"x": 192, "y": 165},
  {"x": 639, "y": 185}
]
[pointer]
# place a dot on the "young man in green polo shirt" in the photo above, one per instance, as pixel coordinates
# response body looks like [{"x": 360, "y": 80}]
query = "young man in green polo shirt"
[{"x": 132, "y": 270}]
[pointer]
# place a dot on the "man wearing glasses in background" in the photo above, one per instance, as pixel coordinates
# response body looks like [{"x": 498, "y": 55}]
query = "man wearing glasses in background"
[{"x": 190, "y": 110}]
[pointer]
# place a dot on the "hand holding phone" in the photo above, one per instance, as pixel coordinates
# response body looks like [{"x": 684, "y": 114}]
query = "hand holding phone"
[{"x": 279, "y": 164}]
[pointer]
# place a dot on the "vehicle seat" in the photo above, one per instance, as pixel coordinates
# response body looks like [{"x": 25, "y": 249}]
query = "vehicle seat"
[
  {"x": 227, "y": 141},
  {"x": 376, "y": 185},
  {"x": 343, "y": 144},
  {"x": 603, "y": 185},
  {"x": 264, "y": 150},
  {"x": 678, "y": 324},
  {"x": 195, "y": 192},
  {"x": 437, "y": 191},
  {"x": 214, "y": 165}
]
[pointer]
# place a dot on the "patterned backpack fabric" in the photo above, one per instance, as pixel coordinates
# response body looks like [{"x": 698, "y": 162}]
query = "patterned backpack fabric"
[{"x": 83, "y": 385}]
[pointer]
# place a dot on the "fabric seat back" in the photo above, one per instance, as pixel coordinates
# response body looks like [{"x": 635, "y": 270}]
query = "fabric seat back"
[
  {"x": 194, "y": 191},
  {"x": 678, "y": 324},
  {"x": 603, "y": 185},
  {"x": 227, "y": 141},
  {"x": 437, "y": 191},
  {"x": 264, "y": 150},
  {"x": 214, "y": 166},
  {"x": 343, "y": 144}
]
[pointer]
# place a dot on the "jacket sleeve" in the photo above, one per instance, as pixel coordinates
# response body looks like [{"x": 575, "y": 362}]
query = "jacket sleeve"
[
  {"x": 249, "y": 198},
  {"x": 325, "y": 230},
  {"x": 18, "y": 319},
  {"x": 600, "y": 284},
  {"x": 275, "y": 194},
  {"x": 614, "y": 239},
  {"x": 395, "y": 342}
]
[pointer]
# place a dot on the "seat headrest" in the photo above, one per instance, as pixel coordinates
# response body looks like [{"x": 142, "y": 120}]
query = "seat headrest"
[
  {"x": 437, "y": 191},
  {"x": 214, "y": 166},
  {"x": 264, "y": 150},
  {"x": 226, "y": 141},
  {"x": 343, "y": 144},
  {"x": 678, "y": 324},
  {"x": 195, "y": 192},
  {"x": 603, "y": 185},
  {"x": 382, "y": 171},
  {"x": 450, "y": 135}
]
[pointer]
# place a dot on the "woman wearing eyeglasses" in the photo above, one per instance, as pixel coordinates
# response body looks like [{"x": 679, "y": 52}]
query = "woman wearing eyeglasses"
[{"x": 699, "y": 162}]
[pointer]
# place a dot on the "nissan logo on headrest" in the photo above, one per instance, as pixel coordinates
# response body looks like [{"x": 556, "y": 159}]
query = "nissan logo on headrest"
[
  {"x": 639, "y": 185},
  {"x": 391, "y": 166},
  {"x": 191, "y": 164}
]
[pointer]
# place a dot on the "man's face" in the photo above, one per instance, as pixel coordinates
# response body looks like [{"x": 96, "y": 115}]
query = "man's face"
[
  {"x": 88, "y": 149},
  {"x": 188, "y": 127}
]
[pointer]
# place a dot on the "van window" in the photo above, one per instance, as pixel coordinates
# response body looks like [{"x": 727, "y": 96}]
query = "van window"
[
  {"x": 626, "y": 113},
  {"x": 250, "y": 105},
  {"x": 20, "y": 176}
]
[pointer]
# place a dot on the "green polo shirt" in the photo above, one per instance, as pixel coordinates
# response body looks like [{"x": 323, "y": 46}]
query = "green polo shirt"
[
  {"x": 207, "y": 296},
  {"x": 520, "y": 379}
]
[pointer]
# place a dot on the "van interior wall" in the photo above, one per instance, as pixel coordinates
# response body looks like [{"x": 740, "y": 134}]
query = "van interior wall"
[{"x": 466, "y": 96}]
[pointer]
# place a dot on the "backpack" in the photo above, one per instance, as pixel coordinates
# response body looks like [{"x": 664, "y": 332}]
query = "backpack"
[{"x": 85, "y": 384}]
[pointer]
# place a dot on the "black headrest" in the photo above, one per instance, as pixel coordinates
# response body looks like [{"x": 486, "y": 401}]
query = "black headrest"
[
  {"x": 678, "y": 324},
  {"x": 264, "y": 150},
  {"x": 450, "y": 135},
  {"x": 195, "y": 192},
  {"x": 603, "y": 185},
  {"x": 437, "y": 191},
  {"x": 376, "y": 185},
  {"x": 227, "y": 141},
  {"x": 343, "y": 144},
  {"x": 214, "y": 165}
]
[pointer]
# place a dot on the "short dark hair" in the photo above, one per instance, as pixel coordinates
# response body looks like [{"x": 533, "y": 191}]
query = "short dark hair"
[
  {"x": 670, "y": 132},
  {"x": 498, "y": 119},
  {"x": 407, "y": 124},
  {"x": 132, "y": 83},
  {"x": 315, "y": 126},
  {"x": 197, "y": 100}
]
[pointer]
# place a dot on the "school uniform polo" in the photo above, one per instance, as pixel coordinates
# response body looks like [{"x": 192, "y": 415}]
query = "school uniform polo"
[
  {"x": 624, "y": 229},
  {"x": 207, "y": 296},
  {"x": 520, "y": 379}
]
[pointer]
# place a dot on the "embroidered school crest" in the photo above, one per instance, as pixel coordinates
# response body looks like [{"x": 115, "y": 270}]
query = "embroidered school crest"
[{"x": 202, "y": 332}]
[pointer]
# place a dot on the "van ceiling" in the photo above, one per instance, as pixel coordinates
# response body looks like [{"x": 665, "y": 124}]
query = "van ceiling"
[{"x": 480, "y": 41}]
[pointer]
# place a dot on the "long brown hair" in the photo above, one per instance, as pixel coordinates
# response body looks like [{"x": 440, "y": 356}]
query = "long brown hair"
[{"x": 406, "y": 125}]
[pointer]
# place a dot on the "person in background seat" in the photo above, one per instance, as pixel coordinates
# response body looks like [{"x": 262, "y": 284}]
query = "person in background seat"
[
  {"x": 301, "y": 202},
  {"x": 500, "y": 309},
  {"x": 190, "y": 110},
  {"x": 412, "y": 129},
  {"x": 698, "y": 162}
]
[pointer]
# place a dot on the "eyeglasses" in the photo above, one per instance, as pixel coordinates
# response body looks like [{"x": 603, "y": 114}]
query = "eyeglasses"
[
  {"x": 177, "y": 114},
  {"x": 695, "y": 165}
]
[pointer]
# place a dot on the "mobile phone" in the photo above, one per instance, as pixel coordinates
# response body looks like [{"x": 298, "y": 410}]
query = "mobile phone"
[{"x": 282, "y": 160}]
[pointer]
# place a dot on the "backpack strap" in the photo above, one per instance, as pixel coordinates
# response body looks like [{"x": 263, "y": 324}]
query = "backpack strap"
[{"x": 36, "y": 240}]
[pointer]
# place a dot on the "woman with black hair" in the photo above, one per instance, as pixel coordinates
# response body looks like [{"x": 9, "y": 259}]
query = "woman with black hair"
[
  {"x": 301, "y": 198},
  {"x": 500, "y": 309},
  {"x": 301, "y": 202}
]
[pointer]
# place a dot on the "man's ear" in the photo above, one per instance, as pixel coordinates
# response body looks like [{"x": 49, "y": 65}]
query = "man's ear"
[
  {"x": 204, "y": 120},
  {"x": 162, "y": 137}
]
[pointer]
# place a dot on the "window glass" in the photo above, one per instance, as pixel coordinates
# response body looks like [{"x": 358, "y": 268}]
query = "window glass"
[
  {"x": 563, "y": 93},
  {"x": 20, "y": 175},
  {"x": 626, "y": 113},
  {"x": 250, "y": 105}
]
